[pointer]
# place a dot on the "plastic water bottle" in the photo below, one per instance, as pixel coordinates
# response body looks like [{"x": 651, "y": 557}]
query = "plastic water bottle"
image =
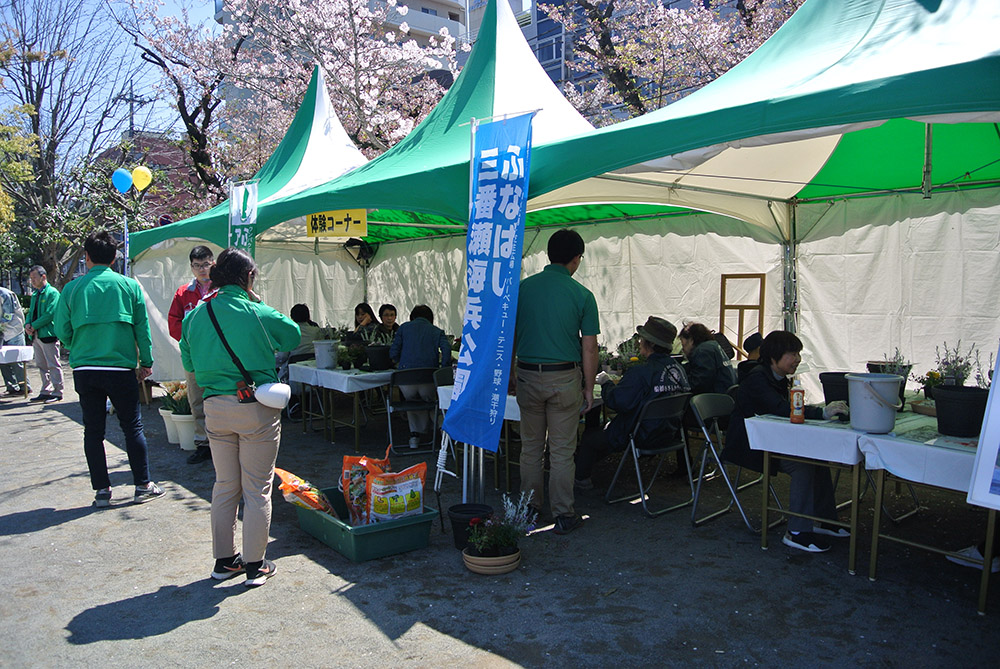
[{"x": 797, "y": 399}]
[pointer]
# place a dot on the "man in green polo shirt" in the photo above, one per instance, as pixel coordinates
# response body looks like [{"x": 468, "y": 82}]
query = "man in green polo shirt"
[
  {"x": 556, "y": 343},
  {"x": 41, "y": 327}
]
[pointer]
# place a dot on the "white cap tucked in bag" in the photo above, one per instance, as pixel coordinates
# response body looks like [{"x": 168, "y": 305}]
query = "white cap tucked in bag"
[{"x": 274, "y": 395}]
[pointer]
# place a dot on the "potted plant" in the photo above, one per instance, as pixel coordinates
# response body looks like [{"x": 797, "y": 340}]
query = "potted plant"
[
  {"x": 166, "y": 410},
  {"x": 928, "y": 381},
  {"x": 953, "y": 365},
  {"x": 897, "y": 364},
  {"x": 181, "y": 415},
  {"x": 960, "y": 409},
  {"x": 378, "y": 350},
  {"x": 343, "y": 357},
  {"x": 493, "y": 540},
  {"x": 356, "y": 354},
  {"x": 628, "y": 355}
]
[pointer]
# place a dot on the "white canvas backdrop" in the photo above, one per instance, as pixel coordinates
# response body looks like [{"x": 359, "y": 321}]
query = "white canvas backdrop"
[
  {"x": 873, "y": 274},
  {"x": 898, "y": 271}
]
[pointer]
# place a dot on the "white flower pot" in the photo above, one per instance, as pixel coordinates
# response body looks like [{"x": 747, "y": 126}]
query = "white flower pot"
[
  {"x": 168, "y": 423},
  {"x": 185, "y": 430}
]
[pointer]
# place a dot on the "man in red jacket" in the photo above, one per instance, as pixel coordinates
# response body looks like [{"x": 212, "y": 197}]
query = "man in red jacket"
[{"x": 187, "y": 298}]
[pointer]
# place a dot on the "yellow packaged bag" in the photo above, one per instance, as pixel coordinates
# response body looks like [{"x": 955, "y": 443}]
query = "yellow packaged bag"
[{"x": 396, "y": 495}]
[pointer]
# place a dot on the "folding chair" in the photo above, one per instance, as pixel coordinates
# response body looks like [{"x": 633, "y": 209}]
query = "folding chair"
[
  {"x": 411, "y": 377},
  {"x": 314, "y": 393},
  {"x": 656, "y": 410},
  {"x": 708, "y": 409}
]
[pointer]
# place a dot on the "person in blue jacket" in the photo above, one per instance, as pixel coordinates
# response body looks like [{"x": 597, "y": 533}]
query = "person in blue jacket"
[
  {"x": 420, "y": 343},
  {"x": 660, "y": 375}
]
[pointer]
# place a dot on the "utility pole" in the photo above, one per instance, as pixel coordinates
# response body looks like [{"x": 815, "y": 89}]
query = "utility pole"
[{"x": 132, "y": 100}]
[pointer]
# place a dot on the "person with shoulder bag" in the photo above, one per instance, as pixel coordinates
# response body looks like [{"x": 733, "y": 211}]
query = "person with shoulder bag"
[{"x": 229, "y": 343}]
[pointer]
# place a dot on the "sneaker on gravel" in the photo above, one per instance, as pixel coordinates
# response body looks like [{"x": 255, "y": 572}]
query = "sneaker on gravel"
[
  {"x": 41, "y": 397},
  {"x": 831, "y": 530},
  {"x": 566, "y": 524},
  {"x": 147, "y": 493},
  {"x": 52, "y": 399},
  {"x": 228, "y": 567},
  {"x": 805, "y": 541},
  {"x": 973, "y": 557},
  {"x": 102, "y": 499},
  {"x": 259, "y": 572}
]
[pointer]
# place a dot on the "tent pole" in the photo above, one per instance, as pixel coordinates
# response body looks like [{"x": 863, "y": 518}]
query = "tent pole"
[{"x": 789, "y": 262}]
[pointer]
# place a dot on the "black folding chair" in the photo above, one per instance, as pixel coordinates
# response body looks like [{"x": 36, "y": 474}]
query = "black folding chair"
[
  {"x": 708, "y": 409},
  {"x": 411, "y": 377},
  {"x": 657, "y": 411}
]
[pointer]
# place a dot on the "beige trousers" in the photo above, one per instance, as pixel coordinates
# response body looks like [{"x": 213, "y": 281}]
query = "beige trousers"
[
  {"x": 419, "y": 421},
  {"x": 197, "y": 402},
  {"x": 244, "y": 440},
  {"x": 49, "y": 367},
  {"x": 550, "y": 405}
]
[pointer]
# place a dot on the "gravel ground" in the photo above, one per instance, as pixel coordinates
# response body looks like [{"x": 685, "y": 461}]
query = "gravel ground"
[{"x": 130, "y": 585}]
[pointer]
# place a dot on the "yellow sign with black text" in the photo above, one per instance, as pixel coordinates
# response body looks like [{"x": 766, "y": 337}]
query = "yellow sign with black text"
[{"x": 341, "y": 223}]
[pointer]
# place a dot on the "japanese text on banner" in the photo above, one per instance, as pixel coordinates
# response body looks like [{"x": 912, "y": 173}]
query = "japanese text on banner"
[
  {"x": 493, "y": 254},
  {"x": 243, "y": 215},
  {"x": 341, "y": 223}
]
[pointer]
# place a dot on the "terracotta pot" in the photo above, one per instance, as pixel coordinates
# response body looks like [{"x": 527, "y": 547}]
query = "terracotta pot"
[{"x": 501, "y": 564}]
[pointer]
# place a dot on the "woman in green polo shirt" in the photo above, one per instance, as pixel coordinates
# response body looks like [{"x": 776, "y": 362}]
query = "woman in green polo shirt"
[{"x": 243, "y": 436}]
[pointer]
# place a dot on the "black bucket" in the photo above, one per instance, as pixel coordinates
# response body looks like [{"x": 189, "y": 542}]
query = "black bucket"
[
  {"x": 960, "y": 409},
  {"x": 834, "y": 387},
  {"x": 460, "y": 515},
  {"x": 378, "y": 358}
]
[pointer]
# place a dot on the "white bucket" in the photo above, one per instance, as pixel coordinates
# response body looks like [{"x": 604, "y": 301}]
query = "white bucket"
[
  {"x": 874, "y": 401},
  {"x": 326, "y": 353}
]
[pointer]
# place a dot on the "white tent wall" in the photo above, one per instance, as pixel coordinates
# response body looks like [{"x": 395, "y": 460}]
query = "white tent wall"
[
  {"x": 330, "y": 284},
  {"x": 634, "y": 270},
  {"x": 422, "y": 271},
  {"x": 897, "y": 271},
  {"x": 669, "y": 268}
]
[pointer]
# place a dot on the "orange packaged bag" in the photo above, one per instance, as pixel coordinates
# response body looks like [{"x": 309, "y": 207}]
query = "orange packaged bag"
[
  {"x": 396, "y": 495},
  {"x": 354, "y": 483},
  {"x": 302, "y": 493}
]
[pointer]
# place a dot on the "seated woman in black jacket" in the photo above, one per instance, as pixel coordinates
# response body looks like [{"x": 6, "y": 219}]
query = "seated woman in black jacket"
[
  {"x": 708, "y": 368},
  {"x": 765, "y": 391}
]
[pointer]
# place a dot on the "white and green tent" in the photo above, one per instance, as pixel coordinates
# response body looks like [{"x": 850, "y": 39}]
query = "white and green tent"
[{"x": 809, "y": 162}]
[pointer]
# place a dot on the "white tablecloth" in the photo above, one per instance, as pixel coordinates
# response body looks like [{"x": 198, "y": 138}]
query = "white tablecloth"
[
  {"x": 345, "y": 381},
  {"x": 916, "y": 452},
  {"x": 832, "y": 441},
  {"x": 511, "y": 410},
  {"x": 9, "y": 354}
]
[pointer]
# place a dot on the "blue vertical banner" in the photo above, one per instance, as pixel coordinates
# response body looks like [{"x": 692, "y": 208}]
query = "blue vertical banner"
[{"x": 499, "y": 194}]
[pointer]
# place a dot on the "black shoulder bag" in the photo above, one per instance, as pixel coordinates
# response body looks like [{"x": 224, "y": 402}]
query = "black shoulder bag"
[{"x": 245, "y": 389}]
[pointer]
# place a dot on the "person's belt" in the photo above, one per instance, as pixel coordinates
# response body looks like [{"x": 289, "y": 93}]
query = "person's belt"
[{"x": 547, "y": 367}]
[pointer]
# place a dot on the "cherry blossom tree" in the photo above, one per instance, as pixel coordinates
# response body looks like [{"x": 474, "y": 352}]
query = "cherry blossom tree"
[
  {"x": 66, "y": 82},
  {"x": 237, "y": 86},
  {"x": 643, "y": 54}
]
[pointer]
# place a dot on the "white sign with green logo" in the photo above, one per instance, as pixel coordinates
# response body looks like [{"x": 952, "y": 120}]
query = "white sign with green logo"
[{"x": 243, "y": 215}]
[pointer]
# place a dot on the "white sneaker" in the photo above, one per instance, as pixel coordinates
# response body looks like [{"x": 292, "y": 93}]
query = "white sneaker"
[
  {"x": 975, "y": 559},
  {"x": 414, "y": 442}
]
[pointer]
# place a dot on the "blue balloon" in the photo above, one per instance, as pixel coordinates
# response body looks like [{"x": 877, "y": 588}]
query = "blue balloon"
[{"x": 122, "y": 180}]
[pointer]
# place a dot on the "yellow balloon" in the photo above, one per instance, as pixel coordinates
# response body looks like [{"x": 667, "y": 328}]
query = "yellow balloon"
[{"x": 141, "y": 177}]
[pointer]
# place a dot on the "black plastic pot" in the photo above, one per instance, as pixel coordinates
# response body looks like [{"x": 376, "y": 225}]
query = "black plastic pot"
[
  {"x": 960, "y": 409},
  {"x": 876, "y": 367},
  {"x": 460, "y": 515},
  {"x": 378, "y": 357},
  {"x": 834, "y": 386}
]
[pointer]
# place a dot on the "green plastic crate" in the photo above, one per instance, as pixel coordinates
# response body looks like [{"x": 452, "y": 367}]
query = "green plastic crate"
[{"x": 366, "y": 542}]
